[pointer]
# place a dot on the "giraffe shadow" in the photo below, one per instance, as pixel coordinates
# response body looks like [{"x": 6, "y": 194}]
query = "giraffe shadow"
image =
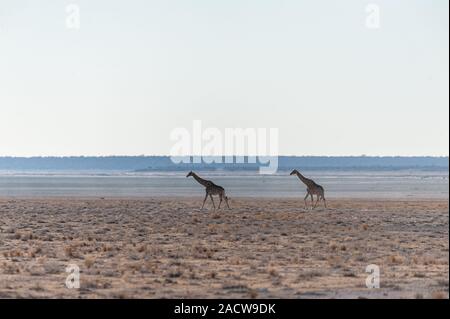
[{"x": 314, "y": 210}]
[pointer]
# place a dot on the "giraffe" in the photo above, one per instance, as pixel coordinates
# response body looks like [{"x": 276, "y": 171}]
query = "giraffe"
[
  {"x": 211, "y": 189},
  {"x": 311, "y": 189}
]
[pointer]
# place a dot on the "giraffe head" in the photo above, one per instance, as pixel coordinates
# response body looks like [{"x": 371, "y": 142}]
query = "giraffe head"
[
  {"x": 191, "y": 173},
  {"x": 294, "y": 172}
]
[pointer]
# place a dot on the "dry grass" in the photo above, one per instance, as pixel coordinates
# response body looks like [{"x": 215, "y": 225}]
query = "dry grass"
[
  {"x": 310, "y": 275},
  {"x": 162, "y": 248}
]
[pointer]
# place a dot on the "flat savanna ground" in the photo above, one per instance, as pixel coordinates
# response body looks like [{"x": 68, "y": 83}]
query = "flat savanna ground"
[{"x": 261, "y": 248}]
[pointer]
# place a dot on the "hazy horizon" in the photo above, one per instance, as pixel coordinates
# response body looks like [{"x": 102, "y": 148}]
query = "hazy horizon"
[{"x": 166, "y": 163}]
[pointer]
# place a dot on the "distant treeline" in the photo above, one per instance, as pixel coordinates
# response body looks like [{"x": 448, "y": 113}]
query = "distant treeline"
[{"x": 164, "y": 163}]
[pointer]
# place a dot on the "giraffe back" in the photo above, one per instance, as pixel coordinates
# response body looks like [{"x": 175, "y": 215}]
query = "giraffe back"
[
  {"x": 316, "y": 189},
  {"x": 214, "y": 189}
]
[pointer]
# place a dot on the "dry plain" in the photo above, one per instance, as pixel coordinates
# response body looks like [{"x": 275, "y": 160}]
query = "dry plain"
[{"x": 260, "y": 248}]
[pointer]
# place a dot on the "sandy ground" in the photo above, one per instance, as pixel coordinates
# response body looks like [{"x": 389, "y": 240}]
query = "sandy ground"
[{"x": 168, "y": 248}]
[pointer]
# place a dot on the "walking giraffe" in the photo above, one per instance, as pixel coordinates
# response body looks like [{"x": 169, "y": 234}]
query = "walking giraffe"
[
  {"x": 211, "y": 189},
  {"x": 311, "y": 189}
]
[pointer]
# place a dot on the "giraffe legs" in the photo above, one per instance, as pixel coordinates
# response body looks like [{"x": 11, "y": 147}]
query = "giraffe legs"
[
  {"x": 222, "y": 197},
  {"x": 204, "y": 201},
  {"x": 319, "y": 198},
  {"x": 214, "y": 205},
  {"x": 306, "y": 197},
  {"x": 212, "y": 200},
  {"x": 317, "y": 201}
]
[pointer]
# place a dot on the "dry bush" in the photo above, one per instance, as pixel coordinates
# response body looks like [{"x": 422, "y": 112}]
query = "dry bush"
[
  {"x": 70, "y": 251},
  {"x": 202, "y": 252},
  {"x": 430, "y": 261},
  {"x": 333, "y": 246},
  {"x": 439, "y": 295},
  {"x": 253, "y": 294},
  {"x": 142, "y": 248},
  {"x": 309, "y": 275},
  {"x": 395, "y": 259},
  {"x": 26, "y": 236},
  {"x": 89, "y": 261},
  {"x": 106, "y": 247},
  {"x": 213, "y": 228},
  {"x": 13, "y": 253},
  {"x": 175, "y": 273},
  {"x": 273, "y": 272},
  {"x": 335, "y": 261},
  {"x": 10, "y": 269},
  {"x": 442, "y": 282}
]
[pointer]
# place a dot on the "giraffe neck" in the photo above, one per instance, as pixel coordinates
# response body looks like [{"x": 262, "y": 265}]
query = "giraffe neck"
[
  {"x": 200, "y": 180},
  {"x": 303, "y": 179}
]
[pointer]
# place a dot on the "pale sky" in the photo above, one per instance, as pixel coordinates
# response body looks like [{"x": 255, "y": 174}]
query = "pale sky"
[{"x": 138, "y": 69}]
